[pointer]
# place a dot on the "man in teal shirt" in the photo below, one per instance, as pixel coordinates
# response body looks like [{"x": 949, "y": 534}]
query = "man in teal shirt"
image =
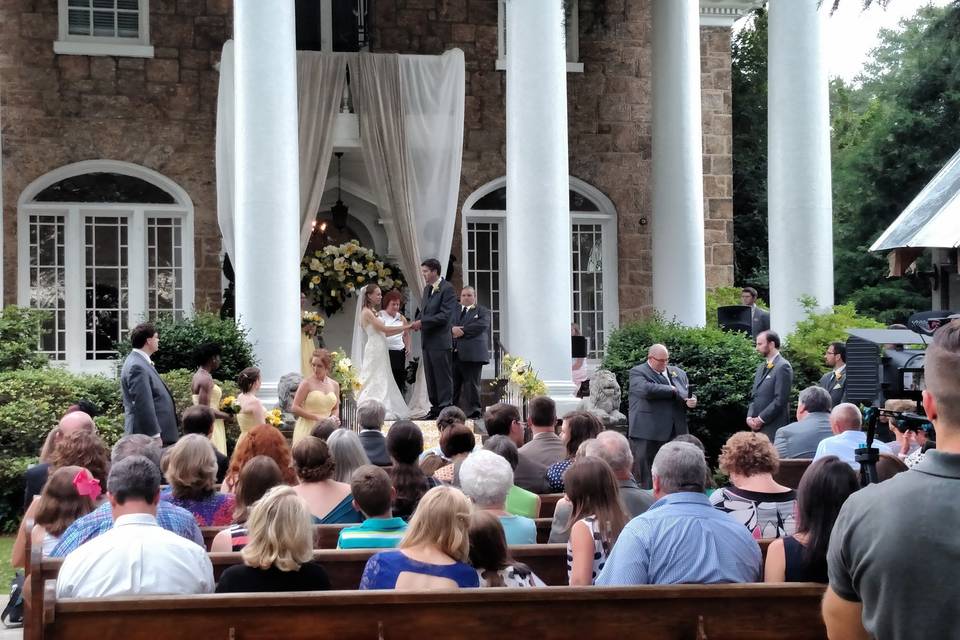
[{"x": 372, "y": 496}]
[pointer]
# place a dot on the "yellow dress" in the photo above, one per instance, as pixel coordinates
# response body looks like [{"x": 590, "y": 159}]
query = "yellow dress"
[
  {"x": 318, "y": 402},
  {"x": 307, "y": 347},
  {"x": 219, "y": 436},
  {"x": 245, "y": 421}
]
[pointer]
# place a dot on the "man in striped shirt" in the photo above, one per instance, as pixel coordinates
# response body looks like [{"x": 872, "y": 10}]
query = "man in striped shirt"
[{"x": 372, "y": 496}]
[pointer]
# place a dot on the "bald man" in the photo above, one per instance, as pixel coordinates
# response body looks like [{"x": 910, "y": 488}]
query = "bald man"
[
  {"x": 36, "y": 476},
  {"x": 846, "y": 424},
  {"x": 659, "y": 400}
]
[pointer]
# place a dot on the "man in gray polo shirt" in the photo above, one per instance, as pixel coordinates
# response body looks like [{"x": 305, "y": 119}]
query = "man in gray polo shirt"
[{"x": 894, "y": 545}]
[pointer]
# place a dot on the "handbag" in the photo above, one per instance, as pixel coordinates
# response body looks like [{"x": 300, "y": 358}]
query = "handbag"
[{"x": 12, "y": 615}]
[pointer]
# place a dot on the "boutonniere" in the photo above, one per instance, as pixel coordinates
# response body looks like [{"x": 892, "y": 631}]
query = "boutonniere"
[
  {"x": 770, "y": 365},
  {"x": 838, "y": 375},
  {"x": 673, "y": 374},
  {"x": 436, "y": 286}
]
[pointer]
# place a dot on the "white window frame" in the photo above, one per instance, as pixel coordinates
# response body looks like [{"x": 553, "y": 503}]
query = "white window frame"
[
  {"x": 74, "y": 215},
  {"x": 606, "y": 217},
  {"x": 72, "y": 44},
  {"x": 571, "y": 37}
]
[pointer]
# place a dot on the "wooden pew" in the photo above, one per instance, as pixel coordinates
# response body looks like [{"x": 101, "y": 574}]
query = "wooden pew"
[
  {"x": 548, "y": 503},
  {"x": 790, "y": 471},
  {"x": 717, "y": 612}
]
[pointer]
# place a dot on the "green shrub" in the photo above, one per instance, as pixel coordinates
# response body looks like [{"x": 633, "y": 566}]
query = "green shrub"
[
  {"x": 804, "y": 348},
  {"x": 11, "y": 491},
  {"x": 720, "y": 364},
  {"x": 179, "y": 340},
  {"x": 724, "y": 297},
  {"x": 19, "y": 337}
]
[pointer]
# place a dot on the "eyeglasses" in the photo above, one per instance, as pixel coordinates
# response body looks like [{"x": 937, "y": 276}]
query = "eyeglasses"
[
  {"x": 831, "y": 353},
  {"x": 663, "y": 360}
]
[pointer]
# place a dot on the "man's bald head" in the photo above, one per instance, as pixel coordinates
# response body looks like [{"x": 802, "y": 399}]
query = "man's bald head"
[
  {"x": 845, "y": 417},
  {"x": 75, "y": 421},
  {"x": 657, "y": 357}
]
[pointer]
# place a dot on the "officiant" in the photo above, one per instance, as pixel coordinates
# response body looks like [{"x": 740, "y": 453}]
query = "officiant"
[
  {"x": 471, "y": 350},
  {"x": 398, "y": 345}
]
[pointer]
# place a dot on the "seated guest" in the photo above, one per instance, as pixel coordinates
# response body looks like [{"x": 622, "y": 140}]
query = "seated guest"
[
  {"x": 904, "y": 442},
  {"x": 490, "y": 555},
  {"x": 262, "y": 440},
  {"x": 846, "y": 422},
  {"x": 503, "y": 419},
  {"x": 577, "y": 428},
  {"x": 372, "y": 496},
  {"x": 486, "y": 479},
  {"x": 695, "y": 441},
  {"x": 434, "y": 552},
  {"x": 370, "y": 415},
  {"x": 70, "y": 493},
  {"x": 597, "y": 518},
  {"x": 257, "y": 477},
  {"x": 614, "y": 449},
  {"x": 545, "y": 447},
  {"x": 889, "y": 465},
  {"x": 753, "y": 498},
  {"x": 800, "y": 439},
  {"x": 404, "y": 444},
  {"x": 36, "y": 476},
  {"x": 100, "y": 520},
  {"x": 279, "y": 553},
  {"x": 456, "y": 443},
  {"x": 802, "y": 557},
  {"x": 448, "y": 417},
  {"x": 348, "y": 454},
  {"x": 325, "y": 428},
  {"x": 200, "y": 419},
  {"x": 681, "y": 538},
  {"x": 329, "y": 501},
  {"x": 520, "y": 502},
  {"x": 923, "y": 438},
  {"x": 136, "y": 556},
  {"x": 191, "y": 468}
]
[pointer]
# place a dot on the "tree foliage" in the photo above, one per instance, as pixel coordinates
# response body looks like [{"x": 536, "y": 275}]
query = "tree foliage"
[{"x": 19, "y": 336}]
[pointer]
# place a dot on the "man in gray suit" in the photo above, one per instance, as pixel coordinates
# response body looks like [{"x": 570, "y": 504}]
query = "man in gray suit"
[
  {"x": 434, "y": 320},
  {"x": 471, "y": 350},
  {"x": 800, "y": 439},
  {"x": 370, "y": 415},
  {"x": 759, "y": 319},
  {"x": 503, "y": 419},
  {"x": 770, "y": 405},
  {"x": 835, "y": 382},
  {"x": 148, "y": 406},
  {"x": 659, "y": 399}
]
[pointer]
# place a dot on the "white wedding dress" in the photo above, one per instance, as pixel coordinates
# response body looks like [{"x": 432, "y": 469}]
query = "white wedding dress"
[{"x": 376, "y": 376}]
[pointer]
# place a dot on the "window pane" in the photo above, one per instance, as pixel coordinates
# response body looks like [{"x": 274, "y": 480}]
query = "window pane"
[
  {"x": 106, "y": 285},
  {"x": 78, "y": 22},
  {"x": 128, "y": 24},
  {"x": 105, "y": 187},
  {"x": 164, "y": 267},
  {"x": 47, "y": 275},
  {"x": 104, "y": 24},
  {"x": 483, "y": 269},
  {"x": 587, "y": 262}
]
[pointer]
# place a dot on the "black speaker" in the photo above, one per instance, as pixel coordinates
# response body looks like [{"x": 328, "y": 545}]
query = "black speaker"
[
  {"x": 578, "y": 344},
  {"x": 735, "y": 318}
]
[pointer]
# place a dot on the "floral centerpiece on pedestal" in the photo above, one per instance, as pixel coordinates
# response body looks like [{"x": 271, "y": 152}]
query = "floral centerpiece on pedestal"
[
  {"x": 520, "y": 377},
  {"x": 333, "y": 274},
  {"x": 344, "y": 373}
]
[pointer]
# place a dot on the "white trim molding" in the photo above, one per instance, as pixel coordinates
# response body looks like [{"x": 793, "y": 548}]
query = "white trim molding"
[{"x": 723, "y": 13}]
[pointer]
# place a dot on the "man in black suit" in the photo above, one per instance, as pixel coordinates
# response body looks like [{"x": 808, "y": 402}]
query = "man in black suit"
[
  {"x": 36, "y": 476},
  {"x": 759, "y": 319},
  {"x": 835, "y": 382},
  {"x": 148, "y": 406},
  {"x": 434, "y": 321},
  {"x": 659, "y": 399},
  {"x": 471, "y": 350}
]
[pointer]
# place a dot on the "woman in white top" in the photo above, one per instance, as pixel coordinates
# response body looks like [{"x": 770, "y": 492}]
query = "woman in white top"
[{"x": 398, "y": 345}]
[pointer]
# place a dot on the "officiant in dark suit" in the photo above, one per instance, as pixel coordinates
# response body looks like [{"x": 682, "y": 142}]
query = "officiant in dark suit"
[
  {"x": 659, "y": 400},
  {"x": 471, "y": 350},
  {"x": 770, "y": 399},
  {"x": 148, "y": 406},
  {"x": 434, "y": 320}
]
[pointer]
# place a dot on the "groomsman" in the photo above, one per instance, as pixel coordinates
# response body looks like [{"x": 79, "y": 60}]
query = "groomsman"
[
  {"x": 759, "y": 319},
  {"x": 471, "y": 350},
  {"x": 835, "y": 382},
  {"x": 148, "y": 406},
  {"x": 434, "y": 320},
  {"x": 770, "y": 405}
]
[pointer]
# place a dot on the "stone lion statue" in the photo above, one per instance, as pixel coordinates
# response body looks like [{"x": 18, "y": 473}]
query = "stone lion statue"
[
  {"x": 286, "y": 389},
  {"x": 604, "y": 399}
]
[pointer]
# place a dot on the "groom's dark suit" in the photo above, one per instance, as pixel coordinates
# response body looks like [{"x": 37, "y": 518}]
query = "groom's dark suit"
[{"x": 436, "y": 317}]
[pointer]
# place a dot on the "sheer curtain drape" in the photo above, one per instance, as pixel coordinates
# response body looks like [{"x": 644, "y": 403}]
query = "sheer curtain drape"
[{"x": 225, "y": 149}]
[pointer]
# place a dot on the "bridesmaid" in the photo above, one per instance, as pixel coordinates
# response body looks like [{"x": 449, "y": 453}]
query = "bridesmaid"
[
  {"x": 206, "y": 392},
  {"x": 317, "y": 397},
  {"x": 252, "y": 412},
  {"x": 308, "y": 343}
]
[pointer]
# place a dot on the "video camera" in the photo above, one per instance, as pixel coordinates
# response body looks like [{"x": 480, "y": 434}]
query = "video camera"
[{"x": 868, "y": 455}]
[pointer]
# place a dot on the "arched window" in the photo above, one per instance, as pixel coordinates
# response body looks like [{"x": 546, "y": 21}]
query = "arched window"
[
  {"x": 102, "y": 245},
  {"x": 593, "y": 228}
]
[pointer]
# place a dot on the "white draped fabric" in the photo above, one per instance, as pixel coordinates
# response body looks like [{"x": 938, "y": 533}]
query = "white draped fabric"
[{"x": 225, "y": 149}]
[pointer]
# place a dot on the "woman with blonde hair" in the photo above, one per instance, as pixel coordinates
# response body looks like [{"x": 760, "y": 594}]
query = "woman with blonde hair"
[
  {"x": 280, "y": 549},
  {"x": 191, "y": 469},
  {"x": 317, "y": 397},
  {"x": 434, "y": 552}
]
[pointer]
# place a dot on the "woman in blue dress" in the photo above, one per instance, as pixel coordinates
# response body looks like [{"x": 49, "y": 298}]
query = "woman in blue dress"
[
  {"x": 329, "y": 501},
  {"x": 434, "y": 552}
]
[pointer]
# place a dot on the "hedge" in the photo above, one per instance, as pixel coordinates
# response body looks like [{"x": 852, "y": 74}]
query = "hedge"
[{"x": 19, "y": 337}]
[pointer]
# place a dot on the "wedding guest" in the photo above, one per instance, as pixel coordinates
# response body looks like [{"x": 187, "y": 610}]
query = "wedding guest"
[
  {"x": 278, "y": 556},
  {"x": 456, "y": 443},
  {"x": 545, "y": 447},
  {"x": 328, "y": 500},
  {"x": 372, "y": 496},
  {"x": 448, "y": 417},
  {"x": 434, "y": 552},
  {"x": 252, "y": 412},
  {"x": 348, "y": 454},
  {"x": 262, "y": 440},
  {"x": 325, "y": 428},
  {"x": 83, "y": 449},
  {"x": 36, "y": 476},
  {"x": 257, "y": 477},
  {"x": 577, "y": 428},
  {"x": 520, "y": 502},
  {"x": 370, "y": 415},
  {"x": 802, "y": 557},
  {"x": 486, "y": 479},
  {"x": 206, "y": 393},
  {"x": 753, "y": 498},
  {"x": 404, "y": 444},
  {"x": 889, "y": 465},
  {"x": 504, "y": 419},
  {"x": 200, "y": 420},
  {"x": 398, "y": 345},
  {"x": 490, "y": 555},
  {"x": 596, "y": 520},
  {"x": 191, "y": 469},
  {"x": 317, "y": 397}
]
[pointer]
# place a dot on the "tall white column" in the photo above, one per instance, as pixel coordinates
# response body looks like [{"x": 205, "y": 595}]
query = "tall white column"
[
  {"x": 539, "y": 277},
  {"x": 798, "y": 179},
  {"x": 679, "y": 278},
  {"x": 267, "y": 192}
]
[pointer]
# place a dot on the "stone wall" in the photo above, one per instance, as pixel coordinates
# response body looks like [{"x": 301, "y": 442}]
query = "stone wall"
[{"x": 159, "y": 113}]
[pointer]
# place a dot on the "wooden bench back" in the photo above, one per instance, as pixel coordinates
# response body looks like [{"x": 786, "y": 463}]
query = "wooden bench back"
[
  {"x": 548, "y": 504},
  {"x": 790, "y": 471}
]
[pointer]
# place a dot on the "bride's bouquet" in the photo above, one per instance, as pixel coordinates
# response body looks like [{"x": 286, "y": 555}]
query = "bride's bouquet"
[
  {"x": 344, "y": 373},
  {"x": 311, "y": 323}
]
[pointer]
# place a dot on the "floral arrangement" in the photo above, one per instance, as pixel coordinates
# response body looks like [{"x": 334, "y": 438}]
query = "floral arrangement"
[
  {"x": 344, "y": 373},
  {"x": 311, "y": 323},
  {"x": 274, "y": 417},
  {"x": 520, "y": 374},
  {"x": 230, "y": 405},
  {"x": 333, "y": 274}
]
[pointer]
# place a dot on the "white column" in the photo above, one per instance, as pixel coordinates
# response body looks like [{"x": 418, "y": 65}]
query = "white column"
[
  {"x": 539, "y": 306},
  {"x": 267, "y": 228},
  {"x": 798, "y": 179},
  {"x": 679, "y": 278}
]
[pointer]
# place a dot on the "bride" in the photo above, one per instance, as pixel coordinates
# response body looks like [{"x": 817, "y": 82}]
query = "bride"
[{"x": 370, "y": 355}]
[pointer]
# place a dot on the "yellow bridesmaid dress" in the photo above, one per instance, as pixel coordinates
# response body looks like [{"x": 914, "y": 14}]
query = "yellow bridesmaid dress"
[
  {"x": 318, "y": 402},
  {"x": 307, "y": 347},
  {"x": 245, "y": 421},
  {"x": 219, "y": 436}
]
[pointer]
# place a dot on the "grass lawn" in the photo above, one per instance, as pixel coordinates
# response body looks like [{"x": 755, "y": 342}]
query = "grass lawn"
[{"x": 6, "y": 571}]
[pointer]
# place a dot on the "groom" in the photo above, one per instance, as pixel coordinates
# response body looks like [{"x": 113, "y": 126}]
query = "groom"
[{"x": 435, "y": 318}]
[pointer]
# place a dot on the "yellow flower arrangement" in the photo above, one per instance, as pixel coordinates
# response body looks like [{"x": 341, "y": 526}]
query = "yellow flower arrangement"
[
  {"x": 274, "y": 417},
  {"x": 520, "y": 374},
  {"x": 230, "y": 405},
  {"x": 312, "y": 319},
  {"x": 336, "y": 272},
  {"x": 344, "y": 373}
]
